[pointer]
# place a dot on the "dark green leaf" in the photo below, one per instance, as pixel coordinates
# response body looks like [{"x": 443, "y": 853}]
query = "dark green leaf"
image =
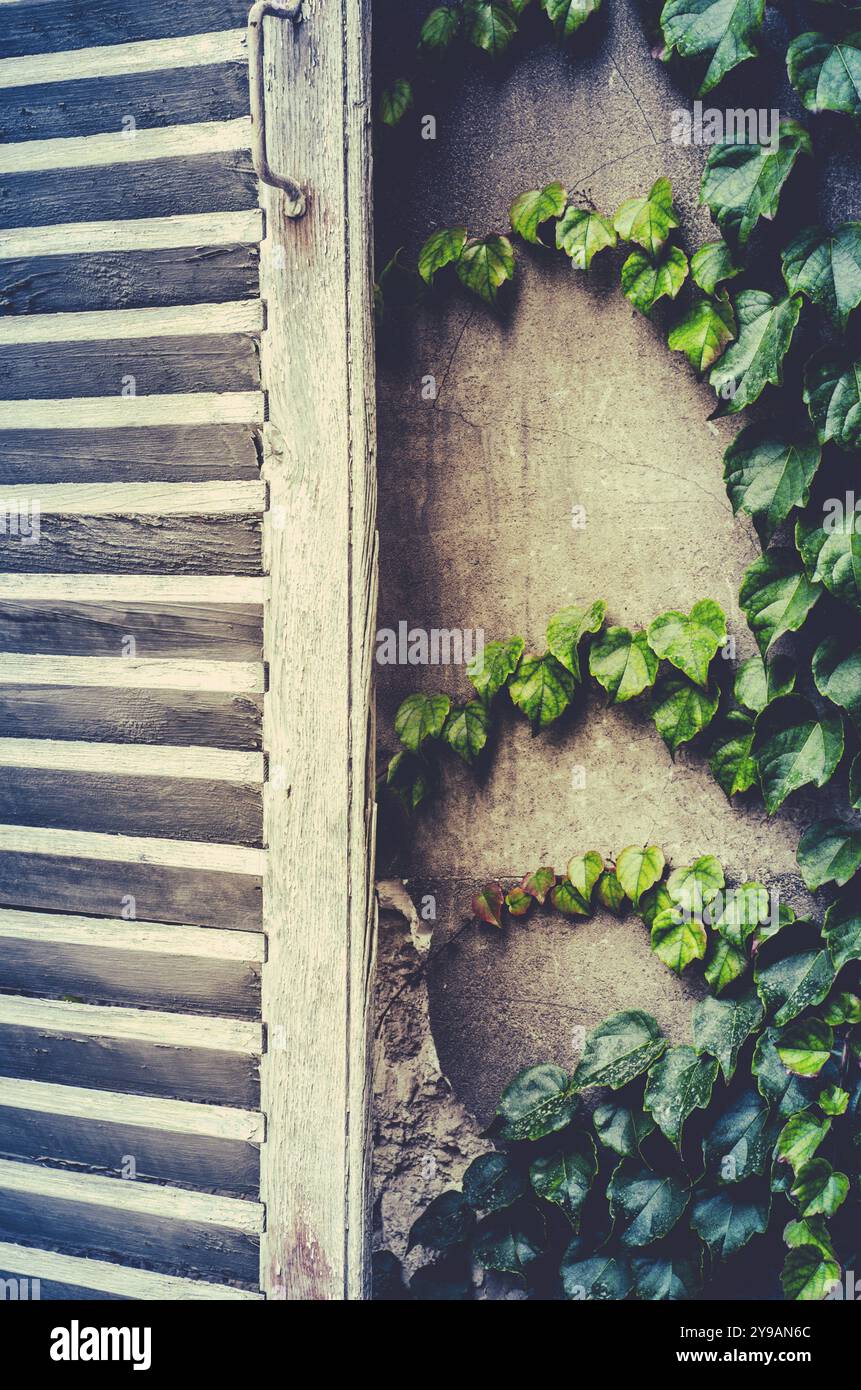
[
  {"x": 722, "y": 1027},
  {"x": 841, "y": 1007},
  {"x": 485, "y": 264},
  {"x": 712, "y": 264},
  {"x": 829, "y": 852},
  {"x": 681, "y": 710},
  {"x": 776, "y": 597},
  {"x": 826, "y": 72},
  {"x": 795, "y": 983},
  {"x": 808, "y": 1275},
  {"x": 645, "y": 281},
  {"x": 618, "y": 1050},
  {"x": 727, "y": 1219},
  {"x": 843, "y": 926},
  {"x": 730, "y": 762},
  {"x": 566, "y": 899},
  {"x": 539, "y": 1101},
  {"x": 566, "y": 630},
  {"x": 648, "y": 221},
  {"x": 669, "y": 1277},
  {"x": 581, "y": 234},
  {"x": 826, "y": 266},
  {"x": 396, "y": 101},
  {"x": 621, "y": 1127},
  {"x": 610, "y": 892},
  {"x": 805, "y": 1046},
  {"x": 491, "y": 1182},
  {"x": 818, "y": 1190},
  {"x": 725, "y": 964},
  {"x": 679, "y": 1083},
  {"x": 542, "y": 688},
  {"x": 837, "y": 673},
  {"x": 600, "y": 1278},
  {"x": 832, "y": 393},
  {"x": 623, "y": 662},
  {"x": 645, "y": 1205},
  {"x": 565, "y": 1176},
  {"x": 447, "y": 1221},
  {"x": 723, "y": 31},
  {"x": 809, "y": 1231},
  {"x": 569, "y": 15},
  {"x": 739, "y": 1143},
  {"x": 776, "y": 1085},
  {"x": 696, "y": 885},
  {"x": 466, "y": 730},
  {"x": 794, "y": 746},
  {"x": 677, "y": 938},
  {"x": 491, "y": 668},
  {"x": 531, "y": 210},
  {"x": 767, "y": 473},
  {"x": 755, "y": 359},
  {"x": 743, "y": 180},
  {"x": 440, "y": 249},
  {"x": 421, "y": 717},
  {"x": 440, "y": 28},
  {"x": 511, "y": 1240},
  {"x": 757, "y": 682},
  {"x": 704, "y": 331},
  {"x": 490, "y": 25}
]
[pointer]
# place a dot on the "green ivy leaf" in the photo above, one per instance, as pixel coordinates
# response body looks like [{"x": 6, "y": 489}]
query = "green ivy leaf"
[
  {"x": 799, "y": 1139},
  {"x": 804, "y": 1047},
  {"x": 565, "y": 1176},
  {"x": 485, "y": 264},
  {"x": 542, "y": 688},
  {"x": 743, "y": 181},
  {"x": 826, "y": 266},
  {"x": 511, "y": 1240},
  {"x": 755, "y": 359},
  {"x": 833, "y": 397},
  {"x": 421, "y": 717},
  {"x": 491, "y": 1182},
  {"x": 768, "y": 471},
  {"x": 406, "y": 778},
  {"x": 842, "y": 1007},
  {"x": 466, "y": 730},
  {"x": 622, "y": 1128},
  {"x": 843, "y": 926},
  {"x": 610, "y": 892},
  {"x": 778, "y": 1086},
  {"x": 618, "y": 1050},
  {"x": 776, "y": 597},
  {"x": 833, "y": 1100},
  {"x": 855, "y": 783},
  {"x": 679, "y": 1082},
  {"x": 597, "y": 1279},
  {"x": 729, "y": 1218},
  {"x": 678, "y": 939},
  {"x": 758, "y": 682},
  {"x": 566, "y": 630},
  {"x": 566, "y": 899},
  {"x": 704, "y": 331},
  {"x": 490, "y": 669},
  {"x": 645, "y": 1205},
  {"x": 829, "y": 851},
  {"x": 445, "y": 1222},
  {"x": 721, "y": 30},
  {"x": 681, "y": 710},
  {"x": 569, "y": 15},
  {"x": 581, "y": 234},
  {"x": 712, "y": 264},
  {"x": 623, "y": 663},
  {"x": 690, "y": 642},
  {"x": 818, "y": 1190},
  {"x": 826, "y": 73},
  {"x": 648, "y": 221},
  {"x": 740, "y": 1142},
  {"x": 671, "y": 1277},
  {"x": 722, "y": 1027},
  {"x": 725, "y": 964},
  {"x": 795, "y": 983},
  {"x": 396, "y": 101},
  {"x": 645, "y": 281},
  {"x": 696, "y": 885},
  {"x": 653, "y": 902},
  {"x": 531, "y": 210},
  {"x": 638, "y": 868},
  {"x": 518, "y": 902},
  {"x": 794, "y": 746},
  {"x": 809, "y": 1231},
  {"x": 538, "y": 884},
  {"x": 440, "y": 28},
  {"x": 490, "y": 25},
  {"x": 730, "y": 762},
  {"x": 487, "y": 905},
  {"x": 741, "y": 911},
  {"x": 584, "y": 871},
  {"x": 837, "y": 673},
  {"x": 441, "y": 249},
  {"x": 808, "y": 1275},
  {"x": 539, "y": 1101}
]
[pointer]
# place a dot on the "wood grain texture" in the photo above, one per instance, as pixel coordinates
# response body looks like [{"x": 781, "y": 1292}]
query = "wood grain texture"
[
  {"x": 230, "y": 631},
  {"x": 320, "y": 467},
  {"x": 116, "y": 147},
  {"x": 100, "y": 1142},
  {"x": 141, "y": 544},
  {"x": 244, "y": 316},
  {"x": 40, "y": 28},
  {"x": 65, "y": 1276},
  {"x": 175, "y": 1116},
  {"x": 215, "y": 362},
  {"x": 134, "y": 234},
  {"x": 140, "y": 499},
  {"x": 223, "y": 182},
  {"x": 201, "y": 898},
  {"x": 57, "y": 110},
  {"x": 126, "y": 59},
  {"x": 140, "y": 715},
  {"x": 130, "y": 760},
  {"x": 131, "y": 849},
  {"x": 128, "y": 280},
  {"x": 175, "y": 808},
  {"x": 172, "y": 453},
  {"x": 131, "y": 934}
]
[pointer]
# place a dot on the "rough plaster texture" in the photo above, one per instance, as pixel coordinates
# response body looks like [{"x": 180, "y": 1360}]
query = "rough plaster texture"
[{"x": 566, "y": 396}]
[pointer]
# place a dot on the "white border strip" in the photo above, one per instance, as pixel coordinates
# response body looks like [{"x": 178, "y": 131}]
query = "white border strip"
[
  {"x": 133, "y": 673},
  {"x": 117, "y": 934},
  {"x": 122, "y": 59},
  {"x": 134, "y": 234},
  {"x": 132, "y": 760},
  {"x": 121, "y": 147},
  {"x": 135, "y": 1198},
  {"x": 135, "y": 499},
  {"x": 187, "y": 320},
  {"x": 133, "y": 588},
  {"x": 110, "y": 1278},
  {"x": 127, "y": 849},
  {"x": 132, "y": 1025},
  {"x": 142, "y": 1112},
  {"x": 119, "y": 412}
]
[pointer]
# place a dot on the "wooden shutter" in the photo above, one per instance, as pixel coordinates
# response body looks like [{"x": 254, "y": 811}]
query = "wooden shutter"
[{"x": 172, "y": 922}]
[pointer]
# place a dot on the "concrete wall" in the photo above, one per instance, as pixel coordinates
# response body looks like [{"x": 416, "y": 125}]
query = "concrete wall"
[{"x": 565, "y": 396}]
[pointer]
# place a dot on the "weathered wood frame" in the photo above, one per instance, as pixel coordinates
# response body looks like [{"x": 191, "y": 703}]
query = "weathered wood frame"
[{"x": 320, "y": 542}]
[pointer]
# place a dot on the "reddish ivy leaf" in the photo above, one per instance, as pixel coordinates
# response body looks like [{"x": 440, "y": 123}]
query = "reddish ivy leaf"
[
  {"x": 538, "y": 884},
  {"x": 518, "y": 902},
  {"x": 487, "y": 905}
]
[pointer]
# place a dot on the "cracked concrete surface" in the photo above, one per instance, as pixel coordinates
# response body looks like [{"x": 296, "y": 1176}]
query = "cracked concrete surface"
[{"x": 565, "y": 396}]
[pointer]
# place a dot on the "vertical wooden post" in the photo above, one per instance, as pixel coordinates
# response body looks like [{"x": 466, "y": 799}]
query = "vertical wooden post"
[{"x": 319, "y": 462}]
